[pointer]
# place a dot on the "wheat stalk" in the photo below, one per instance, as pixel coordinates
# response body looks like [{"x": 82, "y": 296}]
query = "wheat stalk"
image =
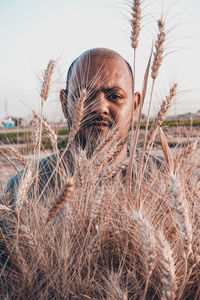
[
  {"x": 179, "y": 204},
  {"x": 144, "y": 89},
  {"x": 62, "y": 199},
  {"x": 51, "y": 133},
  {"x": 180, "y": 207},
  {"x": 74, "y": 129},
  {"x": 44, "y": 95},
  {"x": 4, "y": 207},
  {"x": 135, "y": 27},
  {"x": 36, "y": 130},
  {"x": 158, "y": 57},
  {"x": 8, "y": 159}
]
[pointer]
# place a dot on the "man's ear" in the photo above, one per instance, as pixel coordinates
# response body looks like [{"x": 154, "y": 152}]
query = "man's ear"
[
  {"x": 63, "y": 100},
  {"x": 137, "y": 100}
]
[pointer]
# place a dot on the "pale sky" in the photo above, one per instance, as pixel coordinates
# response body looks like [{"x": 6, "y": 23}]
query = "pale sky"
[{"x": 32, "y": 32}]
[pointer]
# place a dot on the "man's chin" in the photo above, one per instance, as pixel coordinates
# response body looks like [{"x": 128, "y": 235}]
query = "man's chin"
[{"x": 91, "y": 136}]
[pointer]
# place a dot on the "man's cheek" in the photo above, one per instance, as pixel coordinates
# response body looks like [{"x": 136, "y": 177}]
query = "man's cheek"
[{"x": 125, "y": 117}]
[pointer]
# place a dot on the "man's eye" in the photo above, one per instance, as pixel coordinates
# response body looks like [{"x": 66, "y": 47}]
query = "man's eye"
[{"x": 114, "y": 97}]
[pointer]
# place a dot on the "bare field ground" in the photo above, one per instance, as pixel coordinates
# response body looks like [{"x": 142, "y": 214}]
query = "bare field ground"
[{"x": 176, "y": 136}]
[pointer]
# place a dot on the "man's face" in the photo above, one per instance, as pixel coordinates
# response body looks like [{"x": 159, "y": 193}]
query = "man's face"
[{"x": 108, "y": 82}]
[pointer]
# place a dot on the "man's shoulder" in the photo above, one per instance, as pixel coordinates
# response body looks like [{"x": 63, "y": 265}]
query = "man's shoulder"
[{"x": 45, "y": 168}]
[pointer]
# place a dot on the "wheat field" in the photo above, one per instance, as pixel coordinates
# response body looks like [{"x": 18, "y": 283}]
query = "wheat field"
[{"x": 106, "y": 230}]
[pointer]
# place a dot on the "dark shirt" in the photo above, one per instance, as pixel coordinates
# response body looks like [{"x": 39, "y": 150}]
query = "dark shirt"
[{"x": 51, "y": 170}]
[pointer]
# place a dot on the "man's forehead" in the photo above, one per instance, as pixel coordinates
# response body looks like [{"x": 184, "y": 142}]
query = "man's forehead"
[
  {"x": 100, "y": 67},
  {"x": 96, "y": 60}
]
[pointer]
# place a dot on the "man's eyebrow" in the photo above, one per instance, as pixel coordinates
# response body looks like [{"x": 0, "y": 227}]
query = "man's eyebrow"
[{"x": 114, "y": 89}]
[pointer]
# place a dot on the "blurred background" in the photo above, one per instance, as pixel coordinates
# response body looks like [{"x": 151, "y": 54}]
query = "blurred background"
[{"x": 32, "y": 32}]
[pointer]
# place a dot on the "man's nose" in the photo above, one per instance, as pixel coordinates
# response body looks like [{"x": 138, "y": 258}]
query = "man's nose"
[{"x": 101, "y": 106}]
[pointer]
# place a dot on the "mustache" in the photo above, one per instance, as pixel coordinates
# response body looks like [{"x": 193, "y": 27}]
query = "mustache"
[{"x": 97, "y": 120}]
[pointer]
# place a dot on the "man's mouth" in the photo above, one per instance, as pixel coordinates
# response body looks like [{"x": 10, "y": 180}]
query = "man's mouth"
[{"x": 100, "y": 124}]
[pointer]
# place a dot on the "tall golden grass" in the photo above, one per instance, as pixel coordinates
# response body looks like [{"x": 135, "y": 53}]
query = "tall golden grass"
[{"x": 97, "y": 235}]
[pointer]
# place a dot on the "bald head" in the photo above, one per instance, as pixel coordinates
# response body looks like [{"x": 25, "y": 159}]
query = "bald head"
[{"x": 91, "y": 55}]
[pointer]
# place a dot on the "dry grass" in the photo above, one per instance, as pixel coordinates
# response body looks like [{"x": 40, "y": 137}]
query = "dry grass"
[
  {"x": 97, "y": 246},
  {"x": 87, "y": 236}
]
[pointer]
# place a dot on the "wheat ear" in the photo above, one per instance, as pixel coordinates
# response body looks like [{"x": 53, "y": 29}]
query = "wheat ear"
[
  {"x": 115, "y": 168},
  {"x": 62, "y": 199},
  {"x": 166, "y": 151},
  {"x": 158, "y": 57},
  {"x": 183, "y": 222},
  {"x": 77, "y": 116},
  {"x": 114, "y": 151},
  {"x": 144, "y": 89},
  {"x": 161, "y": 115},
  {"x": 181, "y": 210},
  {"x": 191, "y": 148},
  {"x": 46, "y": 80},
  {"x": 146, "y": 234},
  {"x": 95, "y": 208},
  {"x": 23, "y": 188},
  {"x": 188, "y": 152},
  {"x": 110, "y": 138},
  {"x": 18, "y": 155},
  {"x": 167, "y": 267},
  {"x": 158, "y": 54},
  {"x": 135, "y": 23}
]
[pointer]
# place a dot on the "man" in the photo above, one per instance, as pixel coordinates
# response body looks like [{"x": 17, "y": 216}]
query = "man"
[{"x": 108, "y": 80}]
